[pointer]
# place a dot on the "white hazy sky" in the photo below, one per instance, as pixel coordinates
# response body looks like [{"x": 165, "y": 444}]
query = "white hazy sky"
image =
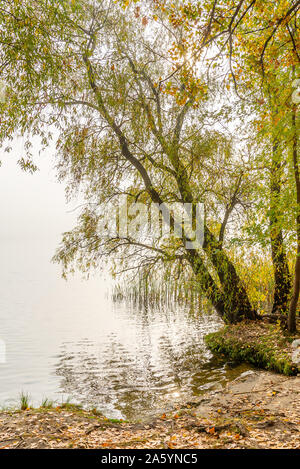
[{"x": 32, "y": 205}]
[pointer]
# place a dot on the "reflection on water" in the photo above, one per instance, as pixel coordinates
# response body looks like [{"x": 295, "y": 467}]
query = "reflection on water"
[
  {"x": 70, "y": 340},
  {"x": 151, "y": 361}
]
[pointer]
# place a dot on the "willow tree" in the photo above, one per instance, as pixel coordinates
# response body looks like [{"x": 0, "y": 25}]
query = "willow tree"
[{"x": 93, "y": 74}]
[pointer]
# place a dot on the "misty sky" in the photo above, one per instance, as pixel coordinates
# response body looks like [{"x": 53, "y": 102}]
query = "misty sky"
[{"x": 32, "y": 205}]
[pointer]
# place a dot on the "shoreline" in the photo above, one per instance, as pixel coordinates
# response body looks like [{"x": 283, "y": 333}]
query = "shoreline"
[{"x": 257, "y": 410}]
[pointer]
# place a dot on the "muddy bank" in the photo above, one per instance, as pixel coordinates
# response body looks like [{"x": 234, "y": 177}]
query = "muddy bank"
[{"x": 257, "y": 410}]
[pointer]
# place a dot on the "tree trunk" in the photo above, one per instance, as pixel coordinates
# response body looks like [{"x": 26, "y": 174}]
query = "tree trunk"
[
  {"x": 237, "y": 304},
  {"x": 282, "y": 278},
  {"x": 295, "y": 297},
  {"x": 231, "y": 302},
  {"x": 206, "y": 284},
  {"x": 296, "y": 288}
]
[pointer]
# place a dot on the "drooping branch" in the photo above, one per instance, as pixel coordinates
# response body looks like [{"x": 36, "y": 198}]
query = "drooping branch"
[{"x": 213, "y": 291}]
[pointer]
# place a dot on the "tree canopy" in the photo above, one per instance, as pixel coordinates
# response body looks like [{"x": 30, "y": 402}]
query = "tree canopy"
[{"x": 165, "y": 102}]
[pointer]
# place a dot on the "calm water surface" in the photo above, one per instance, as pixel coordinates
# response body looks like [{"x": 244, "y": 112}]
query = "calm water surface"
[{"x": 69, "y": 340}]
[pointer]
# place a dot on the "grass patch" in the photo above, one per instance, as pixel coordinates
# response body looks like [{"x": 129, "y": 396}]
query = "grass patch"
[
  {"x": 70, "y": 406},
  {"x": 261, "y": 344},
  {"x": 117, "y": 421},
  {"x": 24, "y": 401},
  {"x": 47, "y": 404}
]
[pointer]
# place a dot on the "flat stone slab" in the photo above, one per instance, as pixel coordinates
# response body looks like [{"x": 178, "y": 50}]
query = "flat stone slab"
[{"x": 263, "y": 389}]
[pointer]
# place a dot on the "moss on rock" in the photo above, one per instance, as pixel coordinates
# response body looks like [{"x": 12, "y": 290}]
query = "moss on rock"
[{"x": 260, "y": 344}]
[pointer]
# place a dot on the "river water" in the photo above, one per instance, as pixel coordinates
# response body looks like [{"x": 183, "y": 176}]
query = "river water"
[{"x": 69, "y": 340}]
